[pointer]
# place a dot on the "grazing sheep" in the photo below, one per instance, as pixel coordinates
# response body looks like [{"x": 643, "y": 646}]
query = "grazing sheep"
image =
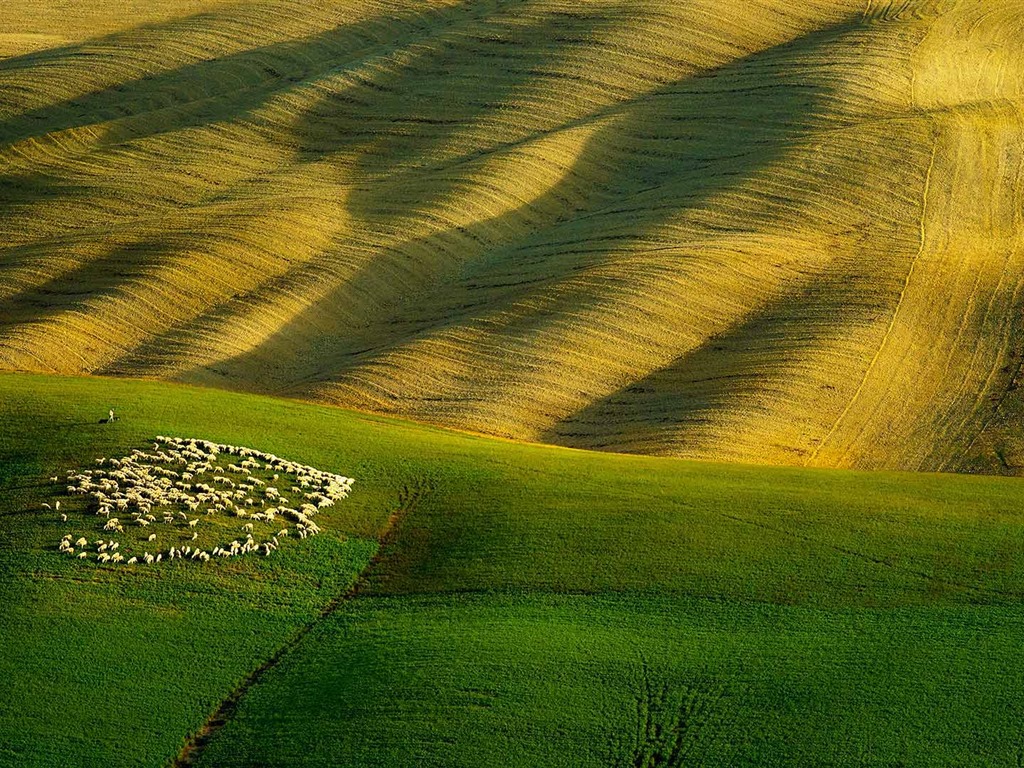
[{"x": 143, "y": 486}]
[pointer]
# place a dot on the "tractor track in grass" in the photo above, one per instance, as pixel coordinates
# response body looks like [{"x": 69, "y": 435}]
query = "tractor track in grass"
[
  {"x": 677, "y": 723},
  {"x": 409, "y": 498}
]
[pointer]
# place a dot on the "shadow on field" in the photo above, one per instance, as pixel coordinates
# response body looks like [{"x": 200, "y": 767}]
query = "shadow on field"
[
  {"x": 97, "y": 279},
  {"x": 221, "y": 89},
  {"x": 409, "y": 115},
  {"x": 677, "y": 407},
  {"x": 382, "y": 114},
  {"x": 666, "y": 151}
]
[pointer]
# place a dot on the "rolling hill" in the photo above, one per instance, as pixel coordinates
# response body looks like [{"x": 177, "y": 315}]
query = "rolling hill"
[
  {"x": 480, "y": 602},
  {"x": 740, "y": 230}
]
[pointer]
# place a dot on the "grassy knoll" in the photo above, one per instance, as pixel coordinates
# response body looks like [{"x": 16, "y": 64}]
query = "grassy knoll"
[{"x": 535, "y": 605}]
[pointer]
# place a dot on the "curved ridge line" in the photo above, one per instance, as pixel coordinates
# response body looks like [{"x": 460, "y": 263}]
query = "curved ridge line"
[{"x": 895, "y": 314}]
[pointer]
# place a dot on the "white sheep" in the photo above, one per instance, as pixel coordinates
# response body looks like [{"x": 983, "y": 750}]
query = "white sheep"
[{"x": 138, "y": 482}]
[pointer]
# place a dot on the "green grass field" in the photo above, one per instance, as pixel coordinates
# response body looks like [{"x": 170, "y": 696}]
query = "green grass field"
[{"x": 530, "y": 606}]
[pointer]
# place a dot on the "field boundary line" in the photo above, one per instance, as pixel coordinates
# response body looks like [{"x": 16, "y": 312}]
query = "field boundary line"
[{"x": 409, "y": 498}]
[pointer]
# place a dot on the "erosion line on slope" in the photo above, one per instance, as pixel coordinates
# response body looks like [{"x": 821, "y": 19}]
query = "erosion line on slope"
[
  {"x": 408, "y": 499},
  {"x": 892, "y": 321}
]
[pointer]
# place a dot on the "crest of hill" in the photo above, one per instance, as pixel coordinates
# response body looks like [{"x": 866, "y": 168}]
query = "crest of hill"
[{"x": 753, "y": 231}]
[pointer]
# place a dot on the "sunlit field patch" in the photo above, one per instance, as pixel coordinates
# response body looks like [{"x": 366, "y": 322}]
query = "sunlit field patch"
[{"x": 191, "y": 499}]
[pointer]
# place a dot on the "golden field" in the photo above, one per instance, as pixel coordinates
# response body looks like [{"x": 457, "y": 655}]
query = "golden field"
[{"x": 742, "y": 230}]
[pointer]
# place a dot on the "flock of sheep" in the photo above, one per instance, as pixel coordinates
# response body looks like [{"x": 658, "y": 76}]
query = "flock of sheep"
[{"x": 180, "y": 483}]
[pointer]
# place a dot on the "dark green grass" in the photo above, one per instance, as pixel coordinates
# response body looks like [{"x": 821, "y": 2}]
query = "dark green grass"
[
  {"x": 833, "y": 617},
  {"x": 569, "y": 521},
  {"x": 638, "y": 680}
]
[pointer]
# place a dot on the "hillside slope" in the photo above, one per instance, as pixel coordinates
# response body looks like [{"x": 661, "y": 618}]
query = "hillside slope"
[
  {"x": 756, "y": 231},
  {"x": 527, "y": 605}
]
